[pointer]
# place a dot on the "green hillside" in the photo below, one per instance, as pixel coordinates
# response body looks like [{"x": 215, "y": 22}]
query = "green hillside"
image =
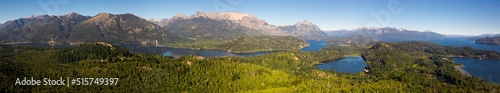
[{"x": 391, "y": 69}]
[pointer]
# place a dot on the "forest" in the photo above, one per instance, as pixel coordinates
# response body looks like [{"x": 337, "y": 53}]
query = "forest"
[{"x": 393, "y": 67}]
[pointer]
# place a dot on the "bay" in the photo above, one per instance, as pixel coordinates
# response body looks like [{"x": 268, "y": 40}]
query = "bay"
[
  {"x": 353, "y": 64},
  {"x": 462, "y": 42},
  {"x": 488, "y": 69}
]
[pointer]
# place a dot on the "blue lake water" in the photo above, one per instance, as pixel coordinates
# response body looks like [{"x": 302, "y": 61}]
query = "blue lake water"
[
  {"x": 461, "y": 42},
  {"x": 315, "y": 45},
  {"x": 484, "y": 69},
  {"x": 177, "y": 52},
  {"x": 346, "y": 65}
]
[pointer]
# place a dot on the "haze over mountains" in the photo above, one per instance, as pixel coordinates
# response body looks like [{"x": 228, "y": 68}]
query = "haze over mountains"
[
  {"x": 387, "y": 34},
  {"x": 128, "y": 28},
  {"x": 489, "y": 40}
]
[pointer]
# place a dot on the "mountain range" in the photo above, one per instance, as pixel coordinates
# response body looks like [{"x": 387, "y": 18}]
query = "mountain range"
[
  {"x": 234, "y": 23},
  {"x": 483, "y": 36},
  {"x": 74, "y": 28},
  {"x": 387, "y": 34},
  {"x": 40, "y": 28}
]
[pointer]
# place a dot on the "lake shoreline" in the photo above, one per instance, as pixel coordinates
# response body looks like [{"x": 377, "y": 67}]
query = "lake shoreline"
[{"x": 462, "y": 70}]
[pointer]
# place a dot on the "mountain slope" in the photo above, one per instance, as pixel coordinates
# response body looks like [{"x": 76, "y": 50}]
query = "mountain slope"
[
  {"x": 41, "y": 28},
  {"x": 489, "y": 40},
  {"x": 305, "y": 30},
  {"x": 205, "y": 28},
  {"x": 234, "y": 25},
  {"x": 220, "y": 25},
  {"x": 76, "y": 29},
  {"x": 123, "y": 28}
]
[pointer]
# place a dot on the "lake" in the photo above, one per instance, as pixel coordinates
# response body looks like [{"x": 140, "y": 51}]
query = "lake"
[
  {"x": 461, "y": 42},
  {"x": 315, "y": 45},
  {"x": 353, "y": 64},
  {"x": 178, "y": 52},
  {"x": 487, "y": 69}
]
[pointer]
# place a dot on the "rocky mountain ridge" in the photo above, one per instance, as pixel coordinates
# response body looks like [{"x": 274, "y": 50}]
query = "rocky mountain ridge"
[
  {"x": 74, "y": 28},
  {"x": 249, "y": 21},
  {"x": 40, "y": 28},
  {"x": 305, "y": 29}
]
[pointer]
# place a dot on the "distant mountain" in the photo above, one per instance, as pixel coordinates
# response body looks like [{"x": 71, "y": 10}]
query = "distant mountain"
[
  {"x": 387, "y": 34},
  {"x": 305, "y": 30},
  {"x": 75, "y": 28},
  {"x": 225, "y": 31},
  {"x": 240, "y": 23},
  {"x": 338, "y": 33},
  {"x": 458, "y": 36},
  {"x": 357, "y": 40},
  {"x": 488, "y": 35},
  {"x": 483, "y": 36},
  {"x": 489, "y": 40}
]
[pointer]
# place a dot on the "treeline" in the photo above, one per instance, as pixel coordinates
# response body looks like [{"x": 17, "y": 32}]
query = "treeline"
[{"x": 95, "y": 51}]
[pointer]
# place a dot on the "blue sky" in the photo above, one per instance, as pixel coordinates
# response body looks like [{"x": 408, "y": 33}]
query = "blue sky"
[{"x": 462, "y": 17}]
